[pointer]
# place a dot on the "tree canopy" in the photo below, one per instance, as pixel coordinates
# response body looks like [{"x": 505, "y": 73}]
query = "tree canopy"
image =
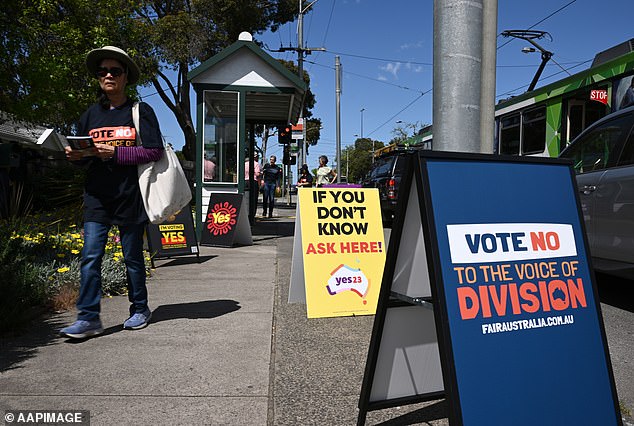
[
  {"x": 312, "y": 124},
  {"x": 357, "y": 158},
  {"x": 43, "y": 76}
]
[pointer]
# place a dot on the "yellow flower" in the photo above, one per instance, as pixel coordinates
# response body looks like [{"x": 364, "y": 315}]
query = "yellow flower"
[
  {"x": 64, "y": 269},
  {"x": 74, "y": 251}
]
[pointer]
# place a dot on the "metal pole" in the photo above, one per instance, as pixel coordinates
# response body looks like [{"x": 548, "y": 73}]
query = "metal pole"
[
  {"x": 457, "y": 75},
  {"x": 487, "y": 99},
  {"x": 338, "y": 95},
  {"x": 300, "y": 71}
]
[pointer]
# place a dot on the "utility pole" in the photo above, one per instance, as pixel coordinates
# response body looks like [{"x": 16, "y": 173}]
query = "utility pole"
[
  {"x": 338, "y": 96},
  {"x": 457, "y": 75},
  {"x": 300, "y": 49},
  {"x": 300, "y": 71},
  {"x": 487, "y": 88}
]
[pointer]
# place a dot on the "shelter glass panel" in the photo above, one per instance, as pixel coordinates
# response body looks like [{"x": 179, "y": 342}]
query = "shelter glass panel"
[{"x": 220, "y": 136}]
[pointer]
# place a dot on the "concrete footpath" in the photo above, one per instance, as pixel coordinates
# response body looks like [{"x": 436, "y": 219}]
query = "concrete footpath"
[{"x": 223, "y": 348}]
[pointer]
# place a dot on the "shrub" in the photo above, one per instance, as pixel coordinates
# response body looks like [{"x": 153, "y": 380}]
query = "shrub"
[{"x": 40, "y": 266}]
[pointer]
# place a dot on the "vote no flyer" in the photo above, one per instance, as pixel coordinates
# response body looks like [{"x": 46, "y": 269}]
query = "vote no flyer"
[
  {"x": 518, "y": 292},
  {"x": 343, "y": 250}
]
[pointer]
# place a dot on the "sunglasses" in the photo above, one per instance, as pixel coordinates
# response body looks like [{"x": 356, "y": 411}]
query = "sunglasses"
[{"x": 114, "y": 71}]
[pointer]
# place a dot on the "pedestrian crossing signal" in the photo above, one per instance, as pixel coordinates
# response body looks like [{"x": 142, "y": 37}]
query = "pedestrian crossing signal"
[
  {"x": 285, "y": 134},
  {"x": 288, "y": 159}
]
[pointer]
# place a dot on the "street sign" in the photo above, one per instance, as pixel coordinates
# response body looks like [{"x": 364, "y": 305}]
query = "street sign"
[
  {"x": 226, "y": 223},
  {"x": 508, "y": 278},
  {"x": 338, "y": 251},
  {"x": 174, "y": 237},
  {"x": 599, "y": 95},
  {"x": 298, "y": 130}
]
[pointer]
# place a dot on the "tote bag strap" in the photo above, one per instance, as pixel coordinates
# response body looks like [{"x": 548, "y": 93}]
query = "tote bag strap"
[
  {"x": 135, "y": 120},
  {"x": 137, "y": 125}
]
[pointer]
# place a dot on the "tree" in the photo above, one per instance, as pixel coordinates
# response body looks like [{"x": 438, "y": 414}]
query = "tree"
[
  {"x": 313, "y": 125},
  {"x": 181, "y": 34},
  {"x": 404, "y": 131},
  {"x": 358, "y": 158},
  {"x": 43, "y": 77},
  {"x": 45, "y": 43}
]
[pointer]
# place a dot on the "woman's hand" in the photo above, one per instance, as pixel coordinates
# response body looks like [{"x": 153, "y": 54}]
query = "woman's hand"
[
  {"x": 72, "y": 155},
  {"x": 104, "y": 151}
]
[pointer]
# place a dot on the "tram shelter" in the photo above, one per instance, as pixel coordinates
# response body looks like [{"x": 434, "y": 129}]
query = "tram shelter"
[{"x": 238, "y": 88}]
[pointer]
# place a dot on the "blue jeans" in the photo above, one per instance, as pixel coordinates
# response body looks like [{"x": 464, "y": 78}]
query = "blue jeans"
[
  {"x": 95, "y": 239},
  {"x": 269, "y": 197}
]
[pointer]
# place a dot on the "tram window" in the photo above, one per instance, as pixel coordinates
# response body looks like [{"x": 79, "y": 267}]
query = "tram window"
[
  {"x": 575, "y": 121},
  {"x": 534, "y": 131},
  {"x": 594, "y": 112},
  {"x": 510, "y": 135}
]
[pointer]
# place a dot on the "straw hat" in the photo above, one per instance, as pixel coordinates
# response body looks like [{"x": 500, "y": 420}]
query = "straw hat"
[{"x": 94, "y": 58}]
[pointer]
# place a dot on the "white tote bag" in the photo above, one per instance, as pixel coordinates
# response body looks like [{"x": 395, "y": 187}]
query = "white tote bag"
[{"x": 163, "y": 184}]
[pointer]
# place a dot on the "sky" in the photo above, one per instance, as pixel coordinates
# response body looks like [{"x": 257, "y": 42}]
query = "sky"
[{"x": 386, "y": 50}]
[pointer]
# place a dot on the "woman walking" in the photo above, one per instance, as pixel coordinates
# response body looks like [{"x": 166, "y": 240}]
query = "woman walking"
[{"x": 111, "y": 192}]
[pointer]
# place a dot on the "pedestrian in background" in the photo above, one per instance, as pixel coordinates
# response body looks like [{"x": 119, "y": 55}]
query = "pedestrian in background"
[
  {"x": 257, "y": 169},
  {"x": 111, "y": 191},
  {"x": 272, "y": 178},
  {"x": 305, "y": 178},
  {"x": 325, "y": 174},
  {"x": 253, "y": 186},
  {"x": 210, "y": 168}
]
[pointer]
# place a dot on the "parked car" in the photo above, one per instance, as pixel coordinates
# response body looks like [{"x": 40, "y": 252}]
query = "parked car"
[
  {"x": 385, "y": 175},
  {"x": 603, "y": 157}
]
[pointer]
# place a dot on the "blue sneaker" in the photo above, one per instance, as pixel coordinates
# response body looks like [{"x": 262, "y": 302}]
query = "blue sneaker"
[
  {"x": 81, "y": 329},
  {"x": 138, "y": 320}
]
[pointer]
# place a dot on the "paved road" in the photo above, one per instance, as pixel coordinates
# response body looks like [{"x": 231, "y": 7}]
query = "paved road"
[
  {"x": 617, "y": 306},
  {"x": 318, "y": 364}
]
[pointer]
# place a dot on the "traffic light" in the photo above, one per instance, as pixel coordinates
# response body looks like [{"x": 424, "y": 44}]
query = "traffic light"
[
  {"x": 288, "y": 159},
  {"x": 285, "y": 134}
]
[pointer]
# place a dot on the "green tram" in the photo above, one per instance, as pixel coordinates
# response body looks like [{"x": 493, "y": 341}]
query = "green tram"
[{"x": 543, "y": 121}]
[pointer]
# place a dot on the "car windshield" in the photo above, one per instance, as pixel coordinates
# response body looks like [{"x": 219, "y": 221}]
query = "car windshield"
[{"x": 596, "y": 150}]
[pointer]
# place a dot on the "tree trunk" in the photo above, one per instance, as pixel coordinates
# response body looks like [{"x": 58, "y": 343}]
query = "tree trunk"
[{"x": 180, "y": 105}]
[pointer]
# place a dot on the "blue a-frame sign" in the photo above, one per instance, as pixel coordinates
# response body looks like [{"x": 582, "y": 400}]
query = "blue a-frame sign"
[{"x": 517, "y": 316}]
